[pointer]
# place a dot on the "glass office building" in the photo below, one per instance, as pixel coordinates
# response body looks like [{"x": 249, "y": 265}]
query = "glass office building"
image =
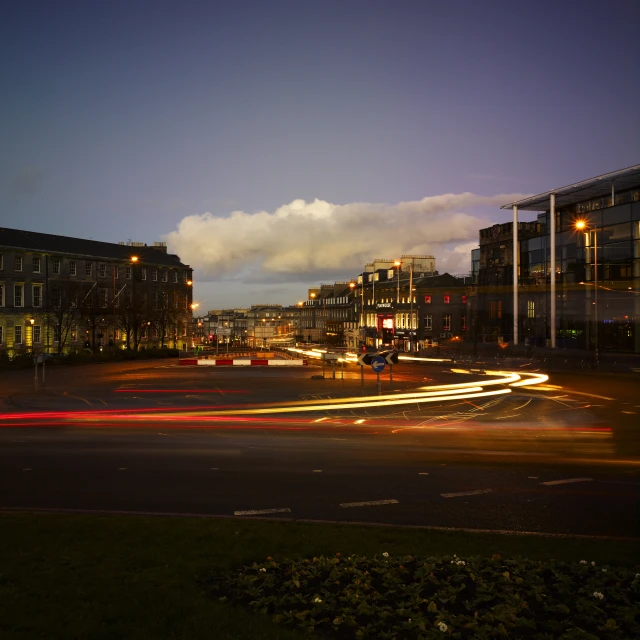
[{"x": 594, "y": 298}]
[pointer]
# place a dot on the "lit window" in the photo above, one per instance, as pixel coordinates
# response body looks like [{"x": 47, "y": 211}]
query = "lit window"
[
  {"x": 499, "y": 308},
  {"x": 428, "y": 322},
  {"x": 447, "y": 299},
  {"x": 427, "y": 299},
  {"x": 531, "y": 309},
  {"x": 446, "y": 322},
  {"x": 464, "y": 299}
]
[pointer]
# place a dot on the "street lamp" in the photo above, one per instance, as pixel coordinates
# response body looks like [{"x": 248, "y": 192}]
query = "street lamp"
[
  {"x": 580, "y": 226},
  {"x": 398, "y": 264}
]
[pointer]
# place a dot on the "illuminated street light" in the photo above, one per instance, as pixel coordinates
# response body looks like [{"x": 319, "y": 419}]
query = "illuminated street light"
[
  {"x": 398, "y": 264},
  {"x": 581, "y": 225},
  {"x": 194, "y": 305}
]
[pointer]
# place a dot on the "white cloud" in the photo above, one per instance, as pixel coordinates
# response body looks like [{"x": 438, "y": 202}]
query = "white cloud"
[{"x": 306, "y": 241}]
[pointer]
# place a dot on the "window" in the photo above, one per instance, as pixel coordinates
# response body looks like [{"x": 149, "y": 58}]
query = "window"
[
  {"x": 1, "y": 334},
  {"x": 428, "y": 323},
  {"x": 464, "y": 299},
  {"x": 463, "y": 322},
  {"x": 74, "y": 333},
  {"x": 56, "y": 266},
  {"x": 87, "y": 269},
  {"x": 143, "y": 273},
  {"x": 37, "y": 295},
  {"x": 1, "y": 262},
  {"x": 165, "y": 276},
  {"x": 447, "y": 299},
  {"x": 156, "y": 300},
  {"x": 36, "y": 264},
  {"x": 37, "y": 334},
  {"x": 127, "y": 273},
  {"x": 18, "y": 295},
  {"x": 56, "y": 333},
  {"x": 446, "y": 322},
  {"x": 427, "y": 299},
  {"x": 103, "y": 298},
  {"x": 499, "y": 308},
  {"x": 18, "y": 263},
  {"x": 184, "y": 277},
  {"x": 154, "y": 275},
  {"x": 492, "y": 309},
  {"x": 175, "y": 276},
  {"x": 73, "y": 269},
  {"x": 17, "y": 335},
  {"x": 1, "y": 295},
  {"x": 531, "y": 309},
  {"x": 116, "y": 272},
  {"x": 102, "y": 270}
]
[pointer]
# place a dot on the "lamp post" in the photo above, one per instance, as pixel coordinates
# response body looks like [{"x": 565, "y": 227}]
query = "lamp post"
[
  {"x": 582, "y": 225},
  {"x": 398, "y": 264},
  {"x": 312, "y": 295}
]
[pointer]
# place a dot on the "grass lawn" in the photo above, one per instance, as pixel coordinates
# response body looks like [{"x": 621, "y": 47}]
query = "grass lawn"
[{"x": 69, "y": 576}]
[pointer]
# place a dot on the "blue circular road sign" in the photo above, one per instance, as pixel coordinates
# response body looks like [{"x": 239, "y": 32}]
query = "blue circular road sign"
[{"x": 377, "y": 363}]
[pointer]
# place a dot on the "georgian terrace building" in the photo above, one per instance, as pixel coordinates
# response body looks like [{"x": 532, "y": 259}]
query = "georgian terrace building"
[{"x": 59, "y": 293}]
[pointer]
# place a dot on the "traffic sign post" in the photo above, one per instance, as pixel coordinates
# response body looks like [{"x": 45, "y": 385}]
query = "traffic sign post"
[
  {"x": 363, "y": 358},
  {"x": 377, "y": 364}
]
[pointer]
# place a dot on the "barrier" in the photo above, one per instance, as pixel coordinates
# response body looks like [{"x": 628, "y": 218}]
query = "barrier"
[{"x": 245, "y": 362}]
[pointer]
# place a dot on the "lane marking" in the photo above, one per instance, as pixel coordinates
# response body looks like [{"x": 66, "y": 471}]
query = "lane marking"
[
  {"x": 26, "y": 469},
  {"x": 629, "y": 412},
  {"x": 214, "y": 468},
  {"x": 423, "y": 473},
  {"x": 567, "y": 481},
  {"x": 370, "y": 503},
  {"x": 466, "y": 493},
  {"x": 317, "y": 471},
  {"x": 258, "y": 512},
  {"x": 532, "y": 477}
]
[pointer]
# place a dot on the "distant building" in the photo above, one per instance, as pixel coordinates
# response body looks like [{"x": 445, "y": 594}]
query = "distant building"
[{"x": 59, "y": 293}]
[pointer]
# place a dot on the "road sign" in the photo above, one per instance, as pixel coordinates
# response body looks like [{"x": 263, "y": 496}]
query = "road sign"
[
  {"x": 377, "y": 364},
  {"x": 365, "y": 358},
  {"x": 223, "y": 331},
  {"x": 391, "y": 357},
  {"x": 330, "y": 356}
]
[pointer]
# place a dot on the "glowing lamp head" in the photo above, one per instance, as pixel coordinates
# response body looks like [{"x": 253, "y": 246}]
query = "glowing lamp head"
[
  {"x": 134, "y": 258},
  {"x": 580, "y": 224}
]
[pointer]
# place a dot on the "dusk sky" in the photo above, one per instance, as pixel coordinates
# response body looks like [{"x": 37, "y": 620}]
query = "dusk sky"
[{"x": 277, "y": 145}]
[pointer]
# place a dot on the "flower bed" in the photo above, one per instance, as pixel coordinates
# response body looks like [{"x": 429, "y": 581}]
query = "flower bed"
[{"x": 438, "y": 597}]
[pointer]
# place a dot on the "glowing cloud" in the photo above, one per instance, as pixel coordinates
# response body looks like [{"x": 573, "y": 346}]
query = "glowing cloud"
[{"x": 302, "y": 239}]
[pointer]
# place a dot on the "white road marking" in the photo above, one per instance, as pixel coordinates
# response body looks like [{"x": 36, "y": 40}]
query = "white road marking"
[
  {"x": 317, "y": 471},
  {"x": 214, "y": 468},
  {"x": 551, "y": 482},
  {"x": 532, "y": 477},
  {"x": 259, "y": 512},
  {"x": 423, "y": 473},
  {"x": 466, "y": 493},
  {"x": 371, "y": 503},
  {"x": 629, "y": 412}
]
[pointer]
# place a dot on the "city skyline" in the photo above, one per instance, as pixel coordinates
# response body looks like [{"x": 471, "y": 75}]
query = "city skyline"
[{"x": 288, "y": 145}]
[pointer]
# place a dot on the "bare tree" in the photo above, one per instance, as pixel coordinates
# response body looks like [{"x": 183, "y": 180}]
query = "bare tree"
[
  {"x": 62, "y": 311},
  {"x": 133, "y": 317}
]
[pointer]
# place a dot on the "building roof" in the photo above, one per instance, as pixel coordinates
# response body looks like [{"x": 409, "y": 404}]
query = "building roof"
[
  {"x": 49, "y": 243},
  {"x": 597, "y": 187}
]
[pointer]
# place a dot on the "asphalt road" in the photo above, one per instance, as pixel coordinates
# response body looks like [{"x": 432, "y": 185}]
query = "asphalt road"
[{"x": 155, "y": 437}]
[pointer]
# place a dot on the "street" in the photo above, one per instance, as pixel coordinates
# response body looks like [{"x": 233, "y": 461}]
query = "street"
[{"x": 154, "y": 437}]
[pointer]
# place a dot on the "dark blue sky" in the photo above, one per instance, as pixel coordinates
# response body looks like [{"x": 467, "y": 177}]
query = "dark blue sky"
[{"x": 120, "y": 119}]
